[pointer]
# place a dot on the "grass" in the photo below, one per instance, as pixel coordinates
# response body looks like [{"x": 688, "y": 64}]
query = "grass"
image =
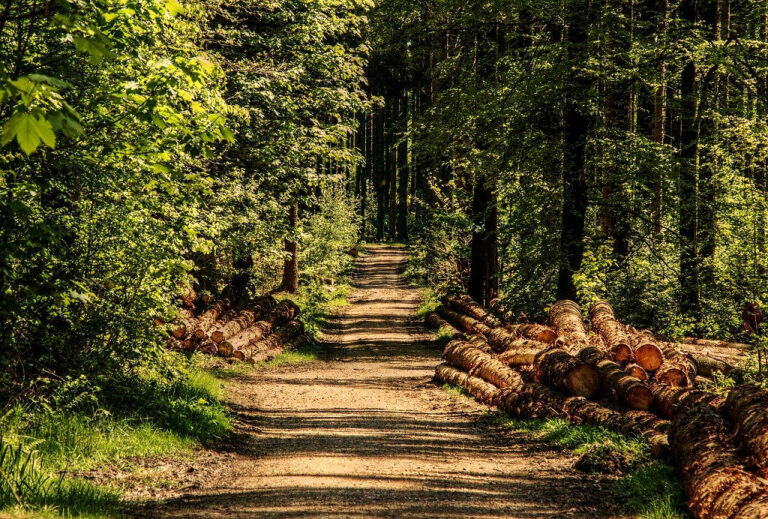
[
  {"x": 428, "y": 305},
  {"x": 45, "y": 449},
  {"x": 649, "y": 489},
  {"x": 456, "y": 391}
]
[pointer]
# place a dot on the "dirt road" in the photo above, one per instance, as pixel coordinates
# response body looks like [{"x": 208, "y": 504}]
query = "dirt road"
[{"x": 365, "y": 433}]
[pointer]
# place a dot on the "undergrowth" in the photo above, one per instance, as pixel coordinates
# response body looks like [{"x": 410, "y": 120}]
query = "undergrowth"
[{"x": 48, "y": 443}]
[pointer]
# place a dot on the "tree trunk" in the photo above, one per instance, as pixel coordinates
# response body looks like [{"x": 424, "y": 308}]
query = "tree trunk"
[
  {"x": 747, "y": 406},
  {"x": 659, "y": 119},
  {"x": 290, "y": 281},
  {"x": 575, "y": 129},
  {"x": 689, "y": 260},
  {"x": 483, "y": 269},
  {"x": 403, "y": 174}
]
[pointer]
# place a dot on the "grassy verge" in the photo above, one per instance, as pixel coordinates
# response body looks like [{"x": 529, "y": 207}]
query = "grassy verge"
[
  {"x": 47, "y": 447},
  {"x": 648, "y": 488}
]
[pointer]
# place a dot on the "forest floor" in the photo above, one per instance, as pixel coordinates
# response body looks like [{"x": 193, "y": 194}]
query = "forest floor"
[{"x": 364, "y": 432}]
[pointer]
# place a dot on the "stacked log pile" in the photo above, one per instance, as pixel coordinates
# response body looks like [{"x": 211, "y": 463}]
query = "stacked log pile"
[
  {"x": 255, "y": 330},
  {"x": 623, "y": 378}
]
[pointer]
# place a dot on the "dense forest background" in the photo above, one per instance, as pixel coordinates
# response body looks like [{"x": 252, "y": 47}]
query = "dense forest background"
[
  {"x": 584, "y": 150},
  {"x": 527, "y": 151}
]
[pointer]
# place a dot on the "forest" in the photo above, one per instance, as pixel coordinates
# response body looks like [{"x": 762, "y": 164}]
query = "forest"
[{"x": 172, "y": 168}]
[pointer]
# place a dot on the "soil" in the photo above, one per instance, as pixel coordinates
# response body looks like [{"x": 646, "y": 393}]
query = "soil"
[{"x": 364, "y": 432}]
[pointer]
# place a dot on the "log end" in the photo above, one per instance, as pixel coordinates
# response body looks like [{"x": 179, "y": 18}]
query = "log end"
[
  {"x": 672, "y": 377},
  {"x": 239, "y": 355},
  {"x": 639, "y": 397},
  {"x": 217, "y": 336},
  {"x": 636, "y": 371},
  {"x": 621, "y": 353},
  {"x": 547, "y": 336},
  {"x": 648, "y": 356},
  {"x": 583, "y": 380}
]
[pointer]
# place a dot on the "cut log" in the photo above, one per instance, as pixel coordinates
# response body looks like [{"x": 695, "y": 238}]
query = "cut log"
[
  {"x": 243, "y": 320},
  {"x": 207, "y": 320},
  {"x": 466, "y": 356},
  {"x": 565, "y": 319},
  {"x": 624, "y": 388},
  {"x": 669, "y": 400},
  {"x": 647, "y": 349},
  {"x": 523, "y": 355},
  {"x": 462, "y": 322},
  {"x": 536, "y": 332},
  {"x": 747, "y": 406},
  {"x": 714, "y": 480},
  {"x": 671, "y": 374},
  {"x": 438, "y": 323},
  {"x": 468, "y": 306},
  {"x": 617, "y": 340},
  {"x": 502, "y": 341},
  {"x": 183, "y": 324},
  {"x": 714, "y": 343},
  {"x": 475, "y": 386},
  {"x": 636, "y": 371},
  {"x": 561, "y": 370},
  {"x": 278, "y": 340}
]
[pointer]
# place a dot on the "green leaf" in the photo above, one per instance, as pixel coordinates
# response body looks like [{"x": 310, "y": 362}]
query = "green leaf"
[
  {"x": 29, "y": 130},
  {"x": 174, "y": 7}
]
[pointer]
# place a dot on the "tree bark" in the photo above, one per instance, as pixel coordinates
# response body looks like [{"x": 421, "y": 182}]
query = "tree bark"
[
  {"x": 689, "y": 141},
  {"x": 715, "y": 482},
  {"x": 483, "y": 269},
  {"x": 290, "y": 281},
  {"x": 403, "y": 174},
  {"x": 575, "y": 128}
]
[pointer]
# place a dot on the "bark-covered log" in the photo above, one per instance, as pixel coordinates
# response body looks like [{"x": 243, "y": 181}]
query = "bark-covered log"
[
  {"x": 243, "y": 320},
  {"x": 253, "y": 333},
  {"x": 565, "y": 319},
  {"x": 207, "y": 320},
  {"x": 183, "y": 324},
  {"x": 475, "y": 386},
  {"x": 538, "y": 401},
  {"x": 615, "y": 337},
  {"x": 468, "y": 306},
  {"x": 714, "y": 343},
  {"x": 523, "y": 354},
  {"x": 438, "y": 323},
  {"x": 747, "y": 406},
  {"x": 275, "y": 341},
  {"x": 713, "y": 477},
  {"x": 561, "y": 370},
  {"x": 669, "y": 400},
  {"x": 503, "y": 341},
  {"x": 636, "y": 371},
  {"x": 624, "y": 388},
  {"x": 462, "y": 322},
  {"x": 707, "y": 366},
  {"x": 536, "y": 332},
  {"x": 477, "y": 362}
]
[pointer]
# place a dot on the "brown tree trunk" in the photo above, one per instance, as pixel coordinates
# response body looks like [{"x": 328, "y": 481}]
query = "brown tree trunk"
[
  {"x": 475, "y": 361},
  {"x": 290, "y": 281},
  {"x": 575, "y": 129},
  {"x": 483, "y": 270}
]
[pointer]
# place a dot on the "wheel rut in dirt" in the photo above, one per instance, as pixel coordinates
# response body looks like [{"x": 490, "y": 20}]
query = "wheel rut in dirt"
[{"x": 365, "y": 433}]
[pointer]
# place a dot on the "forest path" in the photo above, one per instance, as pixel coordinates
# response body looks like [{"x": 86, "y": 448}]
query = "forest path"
[{"x": 365, "y": 433}]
